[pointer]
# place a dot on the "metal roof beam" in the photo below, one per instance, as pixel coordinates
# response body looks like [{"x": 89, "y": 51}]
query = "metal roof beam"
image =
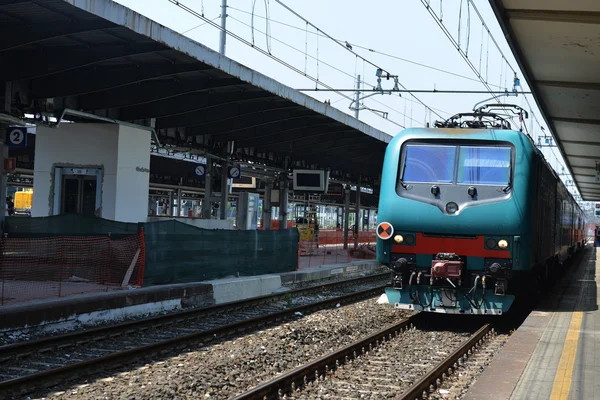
[
  {"x": 97, "y": 79},
  {"x": 334, "y": 146},
  {"x": 571, "y": 85},
  {"x": 210, "y": 122},
  {"x": 17, "y": 36},
  {"x": 263, "y": 136},
  {"x": 294, "y": 142},
  {"x": 51, "y": 61},
  {"x": 576, "y": 17},
  {"x": 218, "y": 102},
  {"x": 266, "y": 128},
  {"x": 131, "y": 98},
  {"x": 577, "y": 121}
]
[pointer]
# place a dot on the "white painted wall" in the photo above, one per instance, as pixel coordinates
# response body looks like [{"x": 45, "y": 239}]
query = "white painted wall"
[
  {"x": 133, "y": 174},
  {"x": 90, "y": 145},
  {"x": 123, "y": 152}
]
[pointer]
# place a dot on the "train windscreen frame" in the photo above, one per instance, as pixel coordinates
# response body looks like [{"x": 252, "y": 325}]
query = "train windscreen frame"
[{"x": 456, "y": 163}]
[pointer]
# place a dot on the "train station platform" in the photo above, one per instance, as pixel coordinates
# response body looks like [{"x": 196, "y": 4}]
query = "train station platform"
[
  {"x": 95, "y": 308},
  {"x": 555, "y": 353}
]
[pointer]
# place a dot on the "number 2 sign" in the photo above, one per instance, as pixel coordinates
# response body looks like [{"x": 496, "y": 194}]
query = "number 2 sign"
[{"x": 16, "y": 136}]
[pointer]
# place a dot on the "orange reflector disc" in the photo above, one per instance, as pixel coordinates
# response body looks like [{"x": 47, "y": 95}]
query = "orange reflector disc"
[{"x": 385, "y": 230}]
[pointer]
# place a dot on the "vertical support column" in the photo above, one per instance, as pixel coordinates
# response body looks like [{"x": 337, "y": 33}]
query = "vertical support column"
[
  {"x": 208, "y": 180},
  {"x": 4, "y": 179},
  {"x": 224, "y": 191},
  {"x": 267, "y": 212},
  {"x": 357, "y": 99},
  {"x": 283, "y": 202},
  {"x": 179, "y": 208},
  {"x": 357, "y": 218},
  {"x": 346, "y": 215},
  {"x": 223, "y": 37}
]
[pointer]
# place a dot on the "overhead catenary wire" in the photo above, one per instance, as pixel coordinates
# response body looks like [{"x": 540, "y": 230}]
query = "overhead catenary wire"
[
  {"x": 369, "y": 49},
  {"x": 347, "y": 49},
  {"x": 329, "y": 65},
  {"x": 457, "y": 46},
  {"x": 363, "y": 82}
]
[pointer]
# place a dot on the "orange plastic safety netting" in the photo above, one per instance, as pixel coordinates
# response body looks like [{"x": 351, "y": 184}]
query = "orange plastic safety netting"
[{"x": 43, "y": 268}]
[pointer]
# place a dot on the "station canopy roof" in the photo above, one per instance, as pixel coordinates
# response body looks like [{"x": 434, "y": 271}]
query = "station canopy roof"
[
  {"x": 557, "y": 46},
  {"x": 100, "y": 57}
]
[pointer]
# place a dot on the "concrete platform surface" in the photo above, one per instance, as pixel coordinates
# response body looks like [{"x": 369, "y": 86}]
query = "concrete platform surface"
[
  {"x": 92, "y": 308},
  {"x": 555, "y": 354}
]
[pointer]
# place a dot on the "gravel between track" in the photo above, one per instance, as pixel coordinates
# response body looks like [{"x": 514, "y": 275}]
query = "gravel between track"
[
  {"x": 224, "y": 370},
  {"x": 457, "y": 385},
  {"x": 387, "y": 370}
]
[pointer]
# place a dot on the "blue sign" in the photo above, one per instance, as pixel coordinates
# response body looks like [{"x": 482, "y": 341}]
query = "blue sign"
[
  {"x": 234, "y": 171},
  {"x": 200, "y": 170},
  {"x": 16, "y": 136}
]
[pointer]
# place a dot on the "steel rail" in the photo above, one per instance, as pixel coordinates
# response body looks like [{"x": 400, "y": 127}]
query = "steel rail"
[
  {"x": 310, "y": 371},
  {"x": 47, "y": 378},
  {"x": 79, "y": 337},
  {"x": 422, "y": 386}
]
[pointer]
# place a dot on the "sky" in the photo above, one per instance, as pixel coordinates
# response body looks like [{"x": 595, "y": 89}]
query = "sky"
[{"x": 398, "y": 36}]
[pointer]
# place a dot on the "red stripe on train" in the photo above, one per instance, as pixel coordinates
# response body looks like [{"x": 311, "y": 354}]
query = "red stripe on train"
[{"x": 462, "y": 246}]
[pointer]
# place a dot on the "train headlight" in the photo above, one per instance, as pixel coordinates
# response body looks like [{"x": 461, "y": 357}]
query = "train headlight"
[
  {"x": 502, "y": 243},
  {"x": 398, "y": 239},
  {"x": 451, "y": 207}
]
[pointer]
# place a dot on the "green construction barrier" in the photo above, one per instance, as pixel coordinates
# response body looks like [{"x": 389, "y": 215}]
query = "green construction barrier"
[
  {"x": 178, "y": 253},
  {"x": 67, "y": 225}
]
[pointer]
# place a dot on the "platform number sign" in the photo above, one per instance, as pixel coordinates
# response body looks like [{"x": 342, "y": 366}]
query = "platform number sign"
[
  {"x": 200, "y": 170},
  {"x": 16, "y": 136},
  {"x": 234, "y": 172}
]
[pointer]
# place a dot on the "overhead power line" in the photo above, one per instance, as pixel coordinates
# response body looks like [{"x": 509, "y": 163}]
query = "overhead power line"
[
  {"x": 350, "y": 50},
  {"x": 324, "y": 63},
  {"x": 371, "y": 50},
  {"x": 436, "y": 91},
  {"x": 268, "y": 54}
]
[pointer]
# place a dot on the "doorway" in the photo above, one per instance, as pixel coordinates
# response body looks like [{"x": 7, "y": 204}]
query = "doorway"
[{"x": 77, "y": 191}]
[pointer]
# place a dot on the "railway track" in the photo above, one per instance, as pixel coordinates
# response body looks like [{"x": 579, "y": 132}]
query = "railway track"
[
  {"x": 381, "y": 365},
  {"x": 29, "y": 366}
]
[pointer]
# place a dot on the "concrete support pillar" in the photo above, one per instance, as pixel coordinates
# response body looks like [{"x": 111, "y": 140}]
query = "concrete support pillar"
[
  {"x": 171, "y": 205},
  {"x": 208, "y": 181},
  {"x": 224, "y": 191},
  {"x": 346, "y": 215},
  {"x": 4, "y": 178},
  {"x": 179, "y": 208},
  {"x": 267, "y": 212},
  {"x": 283, "y": 203},
  {"x": 357, "y": 218}
]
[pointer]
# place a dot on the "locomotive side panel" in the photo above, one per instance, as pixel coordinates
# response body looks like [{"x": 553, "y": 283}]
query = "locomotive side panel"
[
  {"x": 563, "y": 222},
  {"x": 545, "y": 214}
]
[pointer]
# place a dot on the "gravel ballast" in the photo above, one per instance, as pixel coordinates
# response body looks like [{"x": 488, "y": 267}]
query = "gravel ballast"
[{"x": 224, "y": 370}]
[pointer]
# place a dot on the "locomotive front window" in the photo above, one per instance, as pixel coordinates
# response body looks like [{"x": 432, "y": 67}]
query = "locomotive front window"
[
  {"x": 429, "y": 164},
  {"x": 481, "y": 165}
]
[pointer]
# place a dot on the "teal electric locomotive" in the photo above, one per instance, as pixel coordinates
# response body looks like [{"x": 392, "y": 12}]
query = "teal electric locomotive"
[{"x": 470, "y": 214}]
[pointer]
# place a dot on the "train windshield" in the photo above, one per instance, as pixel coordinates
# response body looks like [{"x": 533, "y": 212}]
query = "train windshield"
[
  {"x": 467, "y": 165},
  {"x": 483, "y": 165},
  {"x": 429, "y": 164}
]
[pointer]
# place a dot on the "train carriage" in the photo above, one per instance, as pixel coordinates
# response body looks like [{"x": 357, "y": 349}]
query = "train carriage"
[{"x": 470, "y": 215}]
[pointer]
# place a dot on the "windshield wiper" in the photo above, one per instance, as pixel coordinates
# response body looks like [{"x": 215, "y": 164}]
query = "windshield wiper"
[
  {"x": 400, "y": 181},
  {"x": 508, "y": 187}
]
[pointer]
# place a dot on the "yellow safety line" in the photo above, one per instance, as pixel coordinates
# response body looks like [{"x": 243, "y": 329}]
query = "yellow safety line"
[{"x": 564, "y": 373}]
